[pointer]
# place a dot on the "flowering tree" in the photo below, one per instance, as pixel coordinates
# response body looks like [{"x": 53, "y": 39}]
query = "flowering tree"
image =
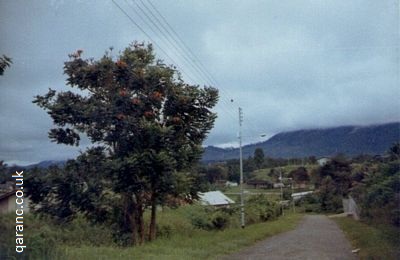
[{"x": 143, "y": 120}]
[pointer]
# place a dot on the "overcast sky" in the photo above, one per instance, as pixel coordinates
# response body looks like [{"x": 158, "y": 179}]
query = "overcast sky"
[{"x": 289, "y": 64}]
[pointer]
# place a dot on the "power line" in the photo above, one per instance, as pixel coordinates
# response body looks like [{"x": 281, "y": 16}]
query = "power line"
[
  {"x": 186, "y": 49},
  {"x": 165, "y": 38},
  {"x": 190, "y": 57},
  {"x": 178, "y": 39},
  {"x": 179, "y": 47},
  {"x": 148, "y": 36}
]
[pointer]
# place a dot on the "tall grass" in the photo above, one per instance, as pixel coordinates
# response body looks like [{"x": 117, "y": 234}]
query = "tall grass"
[
  {"x": 43, "y": 236},
  {"x": 196, "y": 244},
  {"x": 178, "y": 235},
  {"x": 374, "y": 242}
]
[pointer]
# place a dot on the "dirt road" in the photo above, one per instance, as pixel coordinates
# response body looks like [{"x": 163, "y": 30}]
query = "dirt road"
[{"x": 317, "y": 237}]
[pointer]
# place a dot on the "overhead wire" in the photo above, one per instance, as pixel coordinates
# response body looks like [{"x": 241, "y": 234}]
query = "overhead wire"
[
  {"x": 195, "y": 61},
  {"x": 183, "y": 45},
  {"x": 179, "y": 46},
  {"x": 166, "y": 35},
  {"x": 151, "y": 39}
]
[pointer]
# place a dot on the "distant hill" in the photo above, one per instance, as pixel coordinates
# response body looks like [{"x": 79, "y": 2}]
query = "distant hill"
[
  {"x": 349, "y": 140},
  {"x": 42, "y": 164}
]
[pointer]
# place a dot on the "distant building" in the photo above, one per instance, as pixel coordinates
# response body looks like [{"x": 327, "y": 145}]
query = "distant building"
[
  {"x": 231, "y": 184},
  {"x": 300, "y": 185},
  {"x": 257, "y": 184},
  {"x": 322, "y": 161},
  {"x": 215, "y": 198},
  {"x": 8, "y": 197},
  {"x": 278, "y": 185},
  {"x": 8, "y": 205},
  {"x": 7, "y": 202},
  {"x": 299, "y": 195}
]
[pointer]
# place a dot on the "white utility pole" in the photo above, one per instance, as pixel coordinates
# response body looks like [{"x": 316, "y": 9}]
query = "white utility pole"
[
  {"x": 281, "y": 184},
  {"x": 291, "y": 186},
  {"x": 241, "y": 169}
]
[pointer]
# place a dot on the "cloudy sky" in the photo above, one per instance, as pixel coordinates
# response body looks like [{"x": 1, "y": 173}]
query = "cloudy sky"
[{"x": 289, "y": 64}]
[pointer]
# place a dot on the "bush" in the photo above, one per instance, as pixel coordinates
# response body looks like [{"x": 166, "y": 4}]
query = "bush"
[
  {"x": 164, "y": 230},
  {"x": 39, "y": 236},
  {"x": 379, "y": 197},
  {"x": 212, "y": 219},
  {"x": 312, "y": 208},
  {"x": 220, "y": 220},
  {"x": 44, "y": 236},
  {"x": 310, "y": 203},
  {"x": 260, "y": 208},
  {"x": 287, "y": 194}
]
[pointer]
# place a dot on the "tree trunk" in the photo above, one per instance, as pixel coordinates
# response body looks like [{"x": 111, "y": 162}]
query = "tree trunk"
[
  {"x": 133, "y": 227},
  {"x": 152, "y": 231},
  {"x": 139, "y": 220},
  {"x": 129, "y": 217}
]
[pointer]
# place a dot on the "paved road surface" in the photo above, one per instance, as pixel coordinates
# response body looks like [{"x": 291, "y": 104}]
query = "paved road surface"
[{"x": 317, "y": 237}]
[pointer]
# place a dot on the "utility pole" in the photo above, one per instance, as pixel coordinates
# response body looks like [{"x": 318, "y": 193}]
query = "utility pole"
[
  {"x": 291, "y": 186},
  {"x": 281, "y": 184},
  {"x": 241, "y": 168}
]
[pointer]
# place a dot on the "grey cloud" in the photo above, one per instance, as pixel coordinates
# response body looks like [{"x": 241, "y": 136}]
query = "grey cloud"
[{"x": 289, "y": 64}]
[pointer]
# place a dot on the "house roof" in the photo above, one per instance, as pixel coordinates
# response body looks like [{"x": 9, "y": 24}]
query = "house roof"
[
  {"x": 214, "y": 198},
  {"x": 301, "y": 194},
  {"x": 7, "y": 194}
]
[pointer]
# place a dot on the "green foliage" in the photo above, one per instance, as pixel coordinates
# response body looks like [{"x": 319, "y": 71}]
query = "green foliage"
[
  {"x": 215, "y": 172},
  {"x": 199, "y": 244},
  {"x": 248, "y": 167},
  {"x": 77, "y": 187},
  {"x": 299, "y": 175},
  {"x": 233, "y": 168},
  {"x": 338, "y": 170},
  {"x": 378, "y": 196},
  {"x": 333, "y": 182},
  {"x": 208, "y": 218},
  {"x": 374, "y": 241},
  {"x": 260, "y": 208},
  {"x": 374, "y": 184},
  {"x": 44, "y": 237},
  {"x": 329, "y": 198},
  {"x": 310, "y": 203},
  {"x": 146, "y": 125}
]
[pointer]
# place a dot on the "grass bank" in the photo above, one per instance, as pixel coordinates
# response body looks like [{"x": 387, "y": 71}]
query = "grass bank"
[
  {"x": 374, "y": 242},
  {"x": 198, "y": 244}
]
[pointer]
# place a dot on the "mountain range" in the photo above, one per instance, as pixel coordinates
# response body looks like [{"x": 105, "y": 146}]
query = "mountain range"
[{"x": 348, "y": 140}]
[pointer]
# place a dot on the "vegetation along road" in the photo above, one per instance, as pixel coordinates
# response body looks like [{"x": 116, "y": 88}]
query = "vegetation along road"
[{"x": 317, "y": 237}]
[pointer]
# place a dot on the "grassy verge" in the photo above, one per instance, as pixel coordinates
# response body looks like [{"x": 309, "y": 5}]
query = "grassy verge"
[
  {"x": 375, "y": 242},
  {"x": 199, "y": 244}
]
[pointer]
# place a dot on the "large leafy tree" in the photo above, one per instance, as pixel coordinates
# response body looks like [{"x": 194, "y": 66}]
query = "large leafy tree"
[{"x": 146, "y": 123}]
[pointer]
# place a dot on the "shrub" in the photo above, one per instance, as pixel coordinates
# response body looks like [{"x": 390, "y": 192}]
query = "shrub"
[
  {"x": 40, "y": 237},
  {"x": 164, "y": 230},
  {"x": 310, "y": 203},
  {"x": 379, "y": 198},
  {"x": 220, "y": 220},
  {"x": 212, "y": 218},
  {"x": 260, "y": 208}
]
